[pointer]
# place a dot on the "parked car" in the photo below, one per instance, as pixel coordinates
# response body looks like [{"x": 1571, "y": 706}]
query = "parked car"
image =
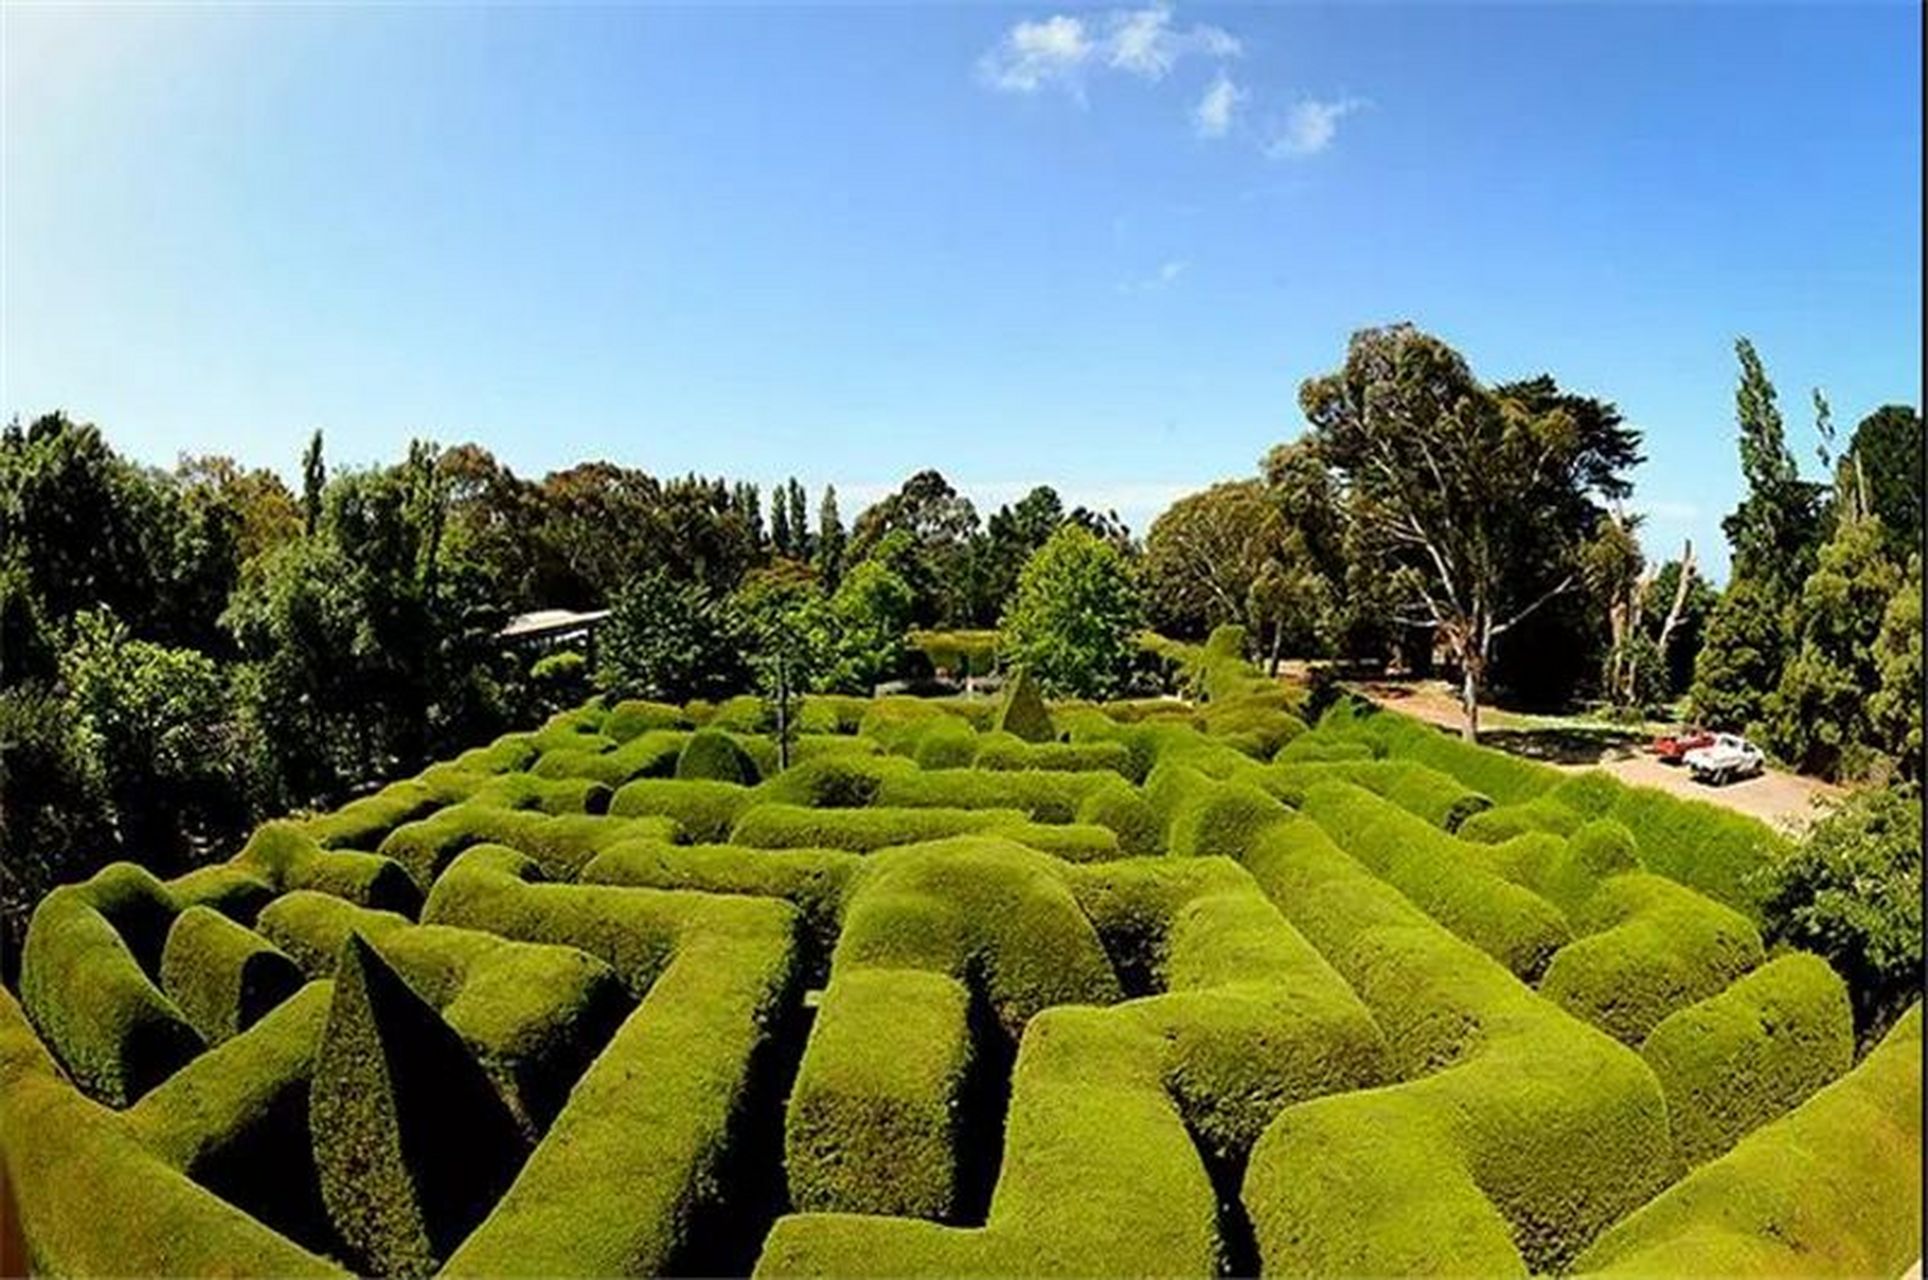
[
  {"x": 1670, "y": 747},
  {"x": 1729, "y": 757}
]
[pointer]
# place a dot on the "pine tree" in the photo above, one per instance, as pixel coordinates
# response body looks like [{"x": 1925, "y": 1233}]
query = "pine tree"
[
  {"x": 779, "y": 522},
  {"x": 830, "y": 540},
  {"x": 314, "y": 478},
  {"x": 799, "y": 521}
]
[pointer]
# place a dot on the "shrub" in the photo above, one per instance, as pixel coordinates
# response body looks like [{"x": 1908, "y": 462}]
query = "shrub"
[
  {"x": 873, "y": 1122},
  {"x": 703, "y": 811},
  {"x": 1851, "y": 892},
  {"x": 411, "y": 1140},
  {"x": 712, "y": 756},
  {"x": 53, "y": 1141},
  {"x": 949, "y": 743},
  {"x": 1021, "y": 711},
  {"x": 83, "y": 983},
  {"x": 223, "y": 976},
  {"x": 1831, "y": 1188},
  {"x": 1071, "y": 620},
  {"x": 1319, "y": 744},
  {"x": 1650, "y": 947},
  {"x": 1443, "y": 876},
  {"x": 778, "y": 826},
  {"x": 1758, "y": 1049},
  {"x": 632, "y": 717},
  {"x": 1120, "y": 806}
]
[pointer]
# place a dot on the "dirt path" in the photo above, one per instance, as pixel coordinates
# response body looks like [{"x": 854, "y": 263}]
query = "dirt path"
[{"x": 1789, "y": 801}]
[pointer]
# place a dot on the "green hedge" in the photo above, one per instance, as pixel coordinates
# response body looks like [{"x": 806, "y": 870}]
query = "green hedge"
[
  {"x": 1109, "y": 1106},
  {"x": 412, "y": 1142},
  {"x": 84, "y": 984},
  {"x": 1123, "y": 808},
  {"x": 650, "y": 754},
  {"x": 221, "y": 975},
  {"x": 1518, "y": 1135},
  {"x": 961, "y": 653},
  {"x": 1445, "y": 877},
  {"x": 633, "y": 717},
  {"x": 1323, "y": 744},
  {"x": 703, "y": 812},
  {"x": 236, "y": 1119},
  {"x": 711, "y": 756},
  {"x": 288, "y": 856},
  {"x": 1650, "y": 947},
  {"x": 1045, "y": 795},
  {"x": 948, "y": 743},
  {"x": 1737, "y": 1060},
  {"x": 1001, "y": 752},
  {"x": 629, "y": 1176},
  {"x": 811, "y": 880},
  {"x": 1831, "y": 1188},
  {"x": 1021, "y": 711},
  {"x": 782, "y": 826},
  {"x": 92, "y": 1199},
  {"x": 561, "y": 843},
  {"x": 873, "y": 1121}
]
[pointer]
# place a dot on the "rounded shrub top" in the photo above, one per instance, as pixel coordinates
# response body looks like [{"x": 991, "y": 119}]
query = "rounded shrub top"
[{"x": 713, "y": 756}]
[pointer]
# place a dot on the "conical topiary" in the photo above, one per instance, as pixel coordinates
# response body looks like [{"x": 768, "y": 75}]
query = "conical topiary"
[
  {"x": 412, "y": 1142},
  {"x": 1023, "y": 712}
]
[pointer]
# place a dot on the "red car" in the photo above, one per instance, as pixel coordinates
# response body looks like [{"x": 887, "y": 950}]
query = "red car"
[{"x": 1671, "y": 747}]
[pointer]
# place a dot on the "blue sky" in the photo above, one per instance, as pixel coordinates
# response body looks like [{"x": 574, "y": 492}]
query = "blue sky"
[{"x": 1094, "y": 247}]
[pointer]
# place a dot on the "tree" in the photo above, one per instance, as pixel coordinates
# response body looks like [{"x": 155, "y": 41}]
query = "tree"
[
  {"x": 1887, "y": 445},
  {"x": 1777, "y": 527},
  {"x": 792, "y": 644},
  {"x": 160, "y": 727},
  {"x": 265, "y": 512},
  {"x": 1473, "y": 503},
  {"x": 1072, "y": 621},
  {"x": 671, "y": 641},
  {"x": 1895, "y": 705},
  {"x": 1739, "y": 664},
  {"x": 1677, "y": 593},
  {"x": 940, "y": 523},
  {"x": 1851, "y": 892},
  {"x": 870, "y": 613},
  {"x": 799, "y": 520},
  {"x": 1820, "y": 711},
  {"x": 830, "y": 540},
  {"x": 314, "y": 479},
  {"x": 1011, "y": 535},
  {"x": 779, "y": 521}
]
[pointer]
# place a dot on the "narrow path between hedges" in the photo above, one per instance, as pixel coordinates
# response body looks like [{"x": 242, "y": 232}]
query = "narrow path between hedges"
[{"x": 1790, "y": 801}]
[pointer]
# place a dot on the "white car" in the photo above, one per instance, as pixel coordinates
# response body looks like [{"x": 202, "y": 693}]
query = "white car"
[{"x": 1731, "y": 756}]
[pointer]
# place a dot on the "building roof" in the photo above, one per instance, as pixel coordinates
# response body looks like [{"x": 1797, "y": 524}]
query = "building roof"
[{"x": 550, "y": 622}]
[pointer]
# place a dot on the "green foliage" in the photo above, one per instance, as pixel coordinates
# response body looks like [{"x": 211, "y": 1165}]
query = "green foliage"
[
  {"x": 560, "y": 679},
  {"x": 1894, "y": 707},
  {"x": 1832, "y": 1188},
  {"x": 1887, "y": 447},
  {"x": 1776, "y": 528},
  {"x": 713, "y": 756},
  {"x": 870, "y": 612},
  {"x": 1744, "y": 1057},
  {"x": 879, "y": 1093},
  {"x": 670, "y": 640},
  {"x": 962, "y": 653},
  {"x": 1851, "y": 893},
  {"x": 223, "y": 976},
  {"x": 1071, "y": 623},
  {"x": 1021, "y": 712},
  {"x": 1819, "y": 715},
  {"x": 704, "y": 811},
  {"x": 1647, "y": 947},
  {"x": 412, "y": 1143}
]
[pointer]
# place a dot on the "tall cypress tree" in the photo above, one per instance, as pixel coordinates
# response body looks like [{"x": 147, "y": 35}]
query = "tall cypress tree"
[{"x": 830, "y": 540}]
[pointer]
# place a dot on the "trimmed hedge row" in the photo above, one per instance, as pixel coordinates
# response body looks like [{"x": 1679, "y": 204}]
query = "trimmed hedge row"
[
  {"x": 1649, "y": 947},
  {"x": 1520, "y": 1132},
  {"x": 630, "y": 1173},
  {"x": 223, "y": 976},
  {"x": 1831, "y": 1188},
  {"x": 782, "y": 826},
  {"x": 561, "y": 843},
  {"x": 1101, "y": 1169},
  {"x": 1755, "y": 1051},
  {"x": 68, "y": 1159},
  {"x": 1445, "y": 877}
]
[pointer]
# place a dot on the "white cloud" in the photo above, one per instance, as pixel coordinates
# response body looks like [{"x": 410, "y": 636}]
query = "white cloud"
[
  {"x": 1166, "y": 276},
  {"x": 1143, "y": 42},
  {"x": 1212, "y": 117},
  {"x": 1311, "y": 125},
  {"x": 1057, "y": 51},
  {"x": 1033, "y": 55}
]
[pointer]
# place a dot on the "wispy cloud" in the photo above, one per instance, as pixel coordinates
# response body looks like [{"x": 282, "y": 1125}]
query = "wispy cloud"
[
  {"x": 1212, "y": 117},
  {"x": 1166, "y": 276},
  {"x": 1310, "y": 126},
  {"x": 1034, "y": 55},
  {"x": 1059, "y": 51}
]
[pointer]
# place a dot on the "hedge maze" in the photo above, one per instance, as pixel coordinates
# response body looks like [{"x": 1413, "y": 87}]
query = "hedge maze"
[{"x": 974, "y": 987}]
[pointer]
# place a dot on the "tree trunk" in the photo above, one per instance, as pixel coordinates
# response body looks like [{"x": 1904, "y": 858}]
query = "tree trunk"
[
  {"x": 1469, "y": 697},
  {"x": 1680, "y": 597},
  {"x": 1278, "y": 643}
]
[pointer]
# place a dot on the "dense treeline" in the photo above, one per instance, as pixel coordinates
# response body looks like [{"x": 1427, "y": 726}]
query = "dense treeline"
[
  {"x": 185, "y": 652},
  {"x": 1427, "y": 515}
]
